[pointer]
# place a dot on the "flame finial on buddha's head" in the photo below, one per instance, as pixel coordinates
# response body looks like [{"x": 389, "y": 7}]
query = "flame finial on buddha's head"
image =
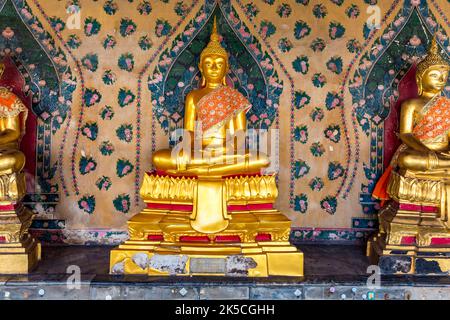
[
  {"x": 432, "y": 59},
  {"x": 214, "y": 47}
]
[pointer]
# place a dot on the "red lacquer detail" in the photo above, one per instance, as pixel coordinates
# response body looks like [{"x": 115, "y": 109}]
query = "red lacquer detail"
[
  {"x": 7, "y": 207},
  {"x": 171, "y": 207},
  {"x": 163, "y": 173},
  {"x": 251, "y": 207},
  {"x": 418, "y": 208},
  {"x": 407, "y": 89},
  {"x": 440, "y": 241},
  {"x": 2, "y": 239},
  {"x": 255, "y": 174},
  {"x": 226, "y": 239},
  {"x": 202, "y": 239},
  {"x": 155, "y": 237},
  {"x": 430, "y": 209},
  {"x": 261, "y": 237},
  {"x": 408, "y": 240}
]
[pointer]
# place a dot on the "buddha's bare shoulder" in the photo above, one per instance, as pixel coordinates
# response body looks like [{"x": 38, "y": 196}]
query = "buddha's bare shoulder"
[{"x": 412, "y": 105}]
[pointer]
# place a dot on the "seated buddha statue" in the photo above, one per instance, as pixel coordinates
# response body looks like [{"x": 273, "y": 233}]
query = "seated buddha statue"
[
  {"x": 425, "y": 121},
  {"x": 12, "y": 124},
  {"x": 417, "y": 182},
  {"x": 19, "y": 252},
  {"x": 214, "y": 115},
  {"x": 209, "y": 202}
]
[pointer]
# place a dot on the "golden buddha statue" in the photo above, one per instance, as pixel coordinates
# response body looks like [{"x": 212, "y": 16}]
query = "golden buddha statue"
[
  {"x": 208, "y": 201},
  {"x": 416, "y": 219},
  {"x": 205, "y": 107},
  {"x": 19, "y": 252}
]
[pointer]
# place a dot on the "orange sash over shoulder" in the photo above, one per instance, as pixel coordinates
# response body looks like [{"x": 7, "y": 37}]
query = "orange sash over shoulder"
[
  {"x": 219, "y": 106},
  {"x": 435, "y": 121},
  {"x": 10, "y": 104}
]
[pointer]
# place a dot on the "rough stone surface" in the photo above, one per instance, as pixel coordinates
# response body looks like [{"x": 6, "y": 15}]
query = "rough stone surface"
[
  {"x": 141, "y": 259},
  {"x": 173, "y": 264},
  {"x": 118, "y": 268},
  {"x": 238, "y": 265},
  {"x": 395, "y": 264}
]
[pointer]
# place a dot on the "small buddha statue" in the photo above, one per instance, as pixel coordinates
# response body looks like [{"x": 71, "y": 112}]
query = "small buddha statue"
[
  {"x": 13, "y": 115},
  {"x": 416, "y": 183},
  {"x": 425, "y": 121},
  {"x": 424, "y": 126},
  {"x": 19, "y": 252},
  {"x": 214, "y": 114}
]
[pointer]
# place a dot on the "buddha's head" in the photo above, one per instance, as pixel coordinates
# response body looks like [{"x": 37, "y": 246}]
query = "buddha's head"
[
  {"x": 213, "y": 63},
  {"x": 432, "y": 72}
]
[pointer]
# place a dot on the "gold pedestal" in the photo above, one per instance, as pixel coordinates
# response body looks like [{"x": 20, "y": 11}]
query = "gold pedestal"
[
  {"x": 163, "y": 241},
  {"x": 413, "y": 237},
  {"x": 19, "y": 258},
  {"x": 19, "y": 252}
]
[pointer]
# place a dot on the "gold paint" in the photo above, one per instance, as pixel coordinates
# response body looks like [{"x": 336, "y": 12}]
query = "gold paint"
[
  {"x": 210, "y": 193},
  {"x": 422, "y": 176}
]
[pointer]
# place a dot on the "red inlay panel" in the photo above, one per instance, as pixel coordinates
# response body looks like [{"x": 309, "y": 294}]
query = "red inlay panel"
[
  {"x": 226, "y": 239},
  {"x": 418, "y": 208},
  {"x": 440, "y": 241},
  {"x": 168, "y": 206},
  {"x": 251, "y": 207},
  {"x": 7, "y": 207},
  {"x": 430, "y": 209},
  {"x": 165, "y": 174},
  {"x": 202, "y": 239},
  {"x": 260, "y": 237},
  {"x": 155, "y": 237},
  {"x": 408, "y": 240},
  {"x": 2, "y": 239}
]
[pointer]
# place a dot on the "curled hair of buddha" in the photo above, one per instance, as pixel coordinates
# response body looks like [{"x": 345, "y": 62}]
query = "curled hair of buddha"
[
  {"x": 433, "y": 59},
  {"x": 214, "y": 47}
]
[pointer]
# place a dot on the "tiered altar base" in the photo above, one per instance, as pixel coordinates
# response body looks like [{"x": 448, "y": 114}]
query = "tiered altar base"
[
  {"x": 413, "y": 237},
  {"x": 162, "y": 241},
  {"x": 19, "y": 252}
]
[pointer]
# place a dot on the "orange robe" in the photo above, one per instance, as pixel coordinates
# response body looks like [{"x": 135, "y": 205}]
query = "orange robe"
[{"x": 434, "y": 123}]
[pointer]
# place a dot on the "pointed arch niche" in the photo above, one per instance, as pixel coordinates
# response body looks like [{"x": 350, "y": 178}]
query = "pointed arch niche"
[
  {"x": 379, "y": 90},
  {"x": 251, "y": 69},
  {"x": 40, "y": 75}
]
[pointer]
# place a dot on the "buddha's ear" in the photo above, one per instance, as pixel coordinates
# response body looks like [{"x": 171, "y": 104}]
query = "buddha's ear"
[{"x": 419, "y": 84}]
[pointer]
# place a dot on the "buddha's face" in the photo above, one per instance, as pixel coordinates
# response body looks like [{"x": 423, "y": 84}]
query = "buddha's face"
[
  {"x": 213, "y": 68},
  {"x": 434, "y": 79}
]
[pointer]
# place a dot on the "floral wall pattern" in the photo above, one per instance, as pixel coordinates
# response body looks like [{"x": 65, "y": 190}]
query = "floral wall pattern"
[{"x": 313, "y": 69}]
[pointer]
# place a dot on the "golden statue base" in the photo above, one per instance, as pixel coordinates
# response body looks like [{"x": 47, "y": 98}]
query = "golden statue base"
[
  {"x": 19, "y": 258},
  {"x": 19, "y": 252},
  {"x": 413, "y": 237},
  {"x": 259, "y": 259},
  {"x": 163, "y": 241}
]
